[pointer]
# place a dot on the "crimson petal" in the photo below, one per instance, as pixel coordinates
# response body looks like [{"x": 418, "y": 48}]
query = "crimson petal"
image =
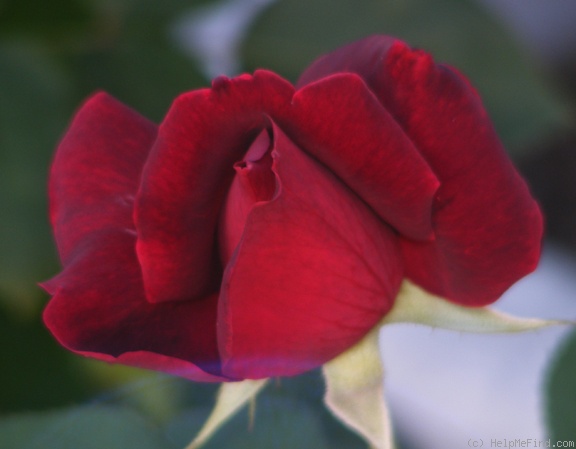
[
  {"x": 95, "y": 172},
  {"x": 364, "y": 57},
  {"x": 254, "y": 181},
  {"x": 488, "y": 228},
  {"x": 187, "y": 176},
  {"x": 314, "y": 271},
  {"x": 340, "y": 122},
  {"x": 99, "y": 308}
]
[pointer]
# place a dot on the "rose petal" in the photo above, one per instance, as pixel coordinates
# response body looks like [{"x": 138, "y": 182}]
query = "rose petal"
[
  {"x": 99, "y": 310},
  {"x": 364, "y": 57},
  {"x": 314, "y": 272},
  {"x": 96, "y": 171},
  {"x": 187, "y": 176},
  {"x": 340, "y": 122},
  {"x": 254, "y": 182},
  {"x": 488, "y": 228}
]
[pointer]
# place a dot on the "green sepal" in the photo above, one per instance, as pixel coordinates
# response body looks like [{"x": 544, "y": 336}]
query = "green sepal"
[
  {"x": 415, "y": 305},
  {"x": 354, "y": 379},
  {"x": 354, "y": 391},
  {"x": 231, "y": 398}
]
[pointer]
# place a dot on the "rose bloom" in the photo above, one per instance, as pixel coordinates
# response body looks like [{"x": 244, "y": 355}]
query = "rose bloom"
[{"x": 262, "y": 229}]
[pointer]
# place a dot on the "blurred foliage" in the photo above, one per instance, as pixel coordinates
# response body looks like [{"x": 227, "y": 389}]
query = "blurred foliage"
[
  {"x": 36, "y": 372},
  {"x": 34, "y": 108},
  {"x": 56, "y": 18},
  {"x": 94, "y": 427},
  {"x": 561, "y": 392},
  {"x": 52, "y": 56},
  {"x": 289, "y": 414},
  {"x": 292, "y": 408},
  {"x": 62, "y": 19},
  {"x": 458, "y": 32},
  {"x": 551, "y": 173}
]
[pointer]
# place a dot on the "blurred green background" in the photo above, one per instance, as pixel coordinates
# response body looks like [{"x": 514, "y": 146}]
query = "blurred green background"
[{"x": 54, "y": 54}]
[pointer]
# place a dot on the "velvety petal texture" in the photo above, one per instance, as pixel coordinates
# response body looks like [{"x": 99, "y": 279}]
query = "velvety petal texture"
[
  {"x": 95, "y": 173},
  {"x": 99, "y": 306},
  {"x": 314, "y": 271},
  {"x": 186, "y": 178},
  {"x": 487, "y": 226},
  {"x": 262, "y": 231},
  {"x": 341, "y": 122}
]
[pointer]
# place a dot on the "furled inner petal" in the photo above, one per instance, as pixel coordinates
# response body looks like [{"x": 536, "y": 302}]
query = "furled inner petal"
[
  {"x": 314, "y": 271},
  {"x": 254, "y": 182},
  {"x": 187, "y": 176}
]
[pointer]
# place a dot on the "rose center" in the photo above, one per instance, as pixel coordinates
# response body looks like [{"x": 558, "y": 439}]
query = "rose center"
[{"x": 254, "y": 182}]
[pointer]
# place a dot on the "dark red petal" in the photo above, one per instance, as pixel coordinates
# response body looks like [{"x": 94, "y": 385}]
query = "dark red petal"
[
  {"x": 340, "y": 122},
  {"x": 254, "y": 182},
  {"x": 363, "y": 57},
  {"x": 187, "y": 176},
  {"x": 96, "y": 171},
  {"x": 99, "y": 310},
  {"x": 488, "y": 227},
  {"x": 314, "y": 271}
]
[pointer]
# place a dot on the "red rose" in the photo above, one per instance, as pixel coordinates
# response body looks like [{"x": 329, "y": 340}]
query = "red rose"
[{"x": 261, "y": 230}]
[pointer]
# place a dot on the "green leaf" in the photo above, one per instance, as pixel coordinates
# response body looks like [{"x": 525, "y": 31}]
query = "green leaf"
[
  {"x": 90, "y": 427},
  {"x": 35, "y": 99},
  {"x": 561, "y": 392},
  {"x": 292, "y": 33}
]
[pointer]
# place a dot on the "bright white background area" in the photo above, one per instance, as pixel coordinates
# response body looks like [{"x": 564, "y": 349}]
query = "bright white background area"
[{"x": 446, "y": 387}]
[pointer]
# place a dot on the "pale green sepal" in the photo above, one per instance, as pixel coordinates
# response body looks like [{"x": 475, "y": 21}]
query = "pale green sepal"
[
  {"x": 415, "y": 305},
  {"x": 232, "y": 396},
  {"x": 354, "y": 392}
]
